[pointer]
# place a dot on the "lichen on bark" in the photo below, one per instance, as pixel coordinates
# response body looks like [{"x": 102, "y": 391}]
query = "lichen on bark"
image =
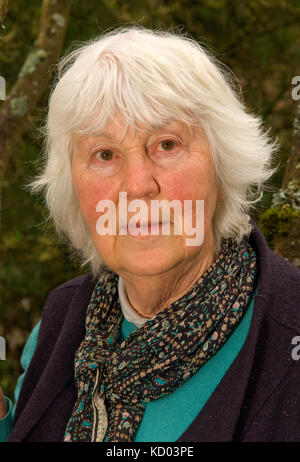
[
  {"x": 19, "y": 106},
  {"x": 33, "y": 60},
  {"x": 59, "y": 19},
  {"x": 288, "y": 196}
]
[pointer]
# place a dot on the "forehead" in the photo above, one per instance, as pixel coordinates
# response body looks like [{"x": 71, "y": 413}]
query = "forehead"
[{"x": 118, "y": 131}]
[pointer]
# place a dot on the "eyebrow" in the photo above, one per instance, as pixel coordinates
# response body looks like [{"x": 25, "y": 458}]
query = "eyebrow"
[{"x": 111, "y": 137}]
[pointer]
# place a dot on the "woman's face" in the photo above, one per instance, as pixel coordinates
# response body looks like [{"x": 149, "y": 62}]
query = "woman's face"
[{"x": 173, "y": 162}]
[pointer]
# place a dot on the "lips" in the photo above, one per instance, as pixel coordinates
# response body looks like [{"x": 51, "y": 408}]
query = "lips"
[
  {"x": 145, "y": 229},
  {"x": 146, "y": 226}
]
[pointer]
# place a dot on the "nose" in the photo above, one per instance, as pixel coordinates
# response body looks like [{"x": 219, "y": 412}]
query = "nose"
[{"x": 139, "y": 178}]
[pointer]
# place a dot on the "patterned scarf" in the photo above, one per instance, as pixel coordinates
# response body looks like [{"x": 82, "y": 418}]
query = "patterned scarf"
[{"x": 116, "y": 380}]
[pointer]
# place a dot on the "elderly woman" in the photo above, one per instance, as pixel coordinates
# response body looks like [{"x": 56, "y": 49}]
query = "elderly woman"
[{"x": 166, "y": 338}]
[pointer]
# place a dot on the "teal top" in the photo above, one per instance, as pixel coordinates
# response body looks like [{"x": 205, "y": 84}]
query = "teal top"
[{"x": 167, "y": 418}]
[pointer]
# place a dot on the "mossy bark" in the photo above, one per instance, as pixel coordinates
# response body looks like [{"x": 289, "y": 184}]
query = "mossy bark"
[
  {"x": 292, "y": 171},
  {"x": 288, "y": 245},
  {"x": 34, "y": 76},
  {"x": 281, "y": 223}
]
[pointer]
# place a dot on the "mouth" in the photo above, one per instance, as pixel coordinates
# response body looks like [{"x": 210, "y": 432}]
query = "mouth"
[{"x": 147, "y": 230}]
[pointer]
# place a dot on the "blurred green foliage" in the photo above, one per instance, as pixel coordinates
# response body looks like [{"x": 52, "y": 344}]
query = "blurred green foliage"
[
  {"x": 276, "y": 221},
  {"x": 258, "y": 40}
]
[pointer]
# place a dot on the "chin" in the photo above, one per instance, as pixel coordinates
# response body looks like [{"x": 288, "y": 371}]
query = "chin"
[{"x": 149, "y": 263}]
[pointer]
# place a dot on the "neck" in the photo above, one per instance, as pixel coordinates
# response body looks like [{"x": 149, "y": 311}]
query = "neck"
[{"x": 150, "y": 295}]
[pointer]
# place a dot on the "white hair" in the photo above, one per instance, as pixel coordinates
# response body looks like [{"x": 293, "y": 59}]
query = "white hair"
[{"x": 151, "y": 78}]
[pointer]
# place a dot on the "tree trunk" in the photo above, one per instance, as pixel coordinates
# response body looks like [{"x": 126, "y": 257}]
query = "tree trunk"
[
  {"x": 34, "y": 76},
  {"x": 292, "y": 172},
  {"x": 3, "y": 10}
]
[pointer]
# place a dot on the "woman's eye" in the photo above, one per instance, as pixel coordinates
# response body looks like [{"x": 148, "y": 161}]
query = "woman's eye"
[
  {"x": 104, "y": 154},
  {"x": 167, "y": 145}
]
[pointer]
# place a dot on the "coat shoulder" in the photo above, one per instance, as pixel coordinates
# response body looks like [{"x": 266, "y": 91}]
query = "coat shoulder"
[
  {"x": 60, "y": 298},
  {"x": 71, "y": 283},
  {"x": 284, "y": 291}
]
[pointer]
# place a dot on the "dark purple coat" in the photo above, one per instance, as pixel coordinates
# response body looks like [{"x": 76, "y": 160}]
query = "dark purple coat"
[{"x": 258, "y": 399}]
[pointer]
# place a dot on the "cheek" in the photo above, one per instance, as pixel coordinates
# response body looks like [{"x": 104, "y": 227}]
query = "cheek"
[
  {"x": 195, "y": 186},
  {"x": 89, "y": 192}
]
